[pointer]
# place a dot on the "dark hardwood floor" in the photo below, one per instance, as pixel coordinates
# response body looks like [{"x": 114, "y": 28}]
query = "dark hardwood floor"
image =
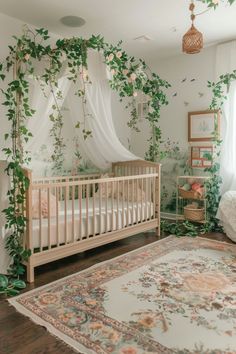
[{"x": 19, "y": 335}]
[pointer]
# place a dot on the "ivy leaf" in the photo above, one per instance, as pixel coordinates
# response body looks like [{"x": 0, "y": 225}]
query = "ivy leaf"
[
  {"x": 17, "y": 283},
  {"x": 12, "y": 292},
  {"x": 3, "y": 281}
]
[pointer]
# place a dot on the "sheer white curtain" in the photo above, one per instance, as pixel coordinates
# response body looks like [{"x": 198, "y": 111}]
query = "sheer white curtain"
[
  {"x": 225, "y": 63},
  {"x": 40, "y": 124},
  {"x": 104, "y": 147}
]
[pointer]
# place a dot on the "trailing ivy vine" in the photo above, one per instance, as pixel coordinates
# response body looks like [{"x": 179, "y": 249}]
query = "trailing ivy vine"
[
  {"x": 212, "y": 185},
  {"x": 128, "y": 77},
  {"x": 215, "y": 3}
]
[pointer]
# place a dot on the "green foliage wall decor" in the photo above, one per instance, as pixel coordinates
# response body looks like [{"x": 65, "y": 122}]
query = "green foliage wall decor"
[{"x": 129, "y": 76}]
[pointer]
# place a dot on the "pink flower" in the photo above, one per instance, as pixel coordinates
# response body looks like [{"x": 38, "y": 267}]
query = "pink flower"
[
  {"x": 133, "y": 76},
  {"x": 147, "y": 321},
  {"x": 128, "y": 350},
  {"x": 215, "y": 2},
  {"x": 110, "y": 57},
  {"x": 113, "y": 71},
  {"x": 130, "y": 80},
  {"x": 125, "y": 72},
  {"x": 135, "y": 94},
  {"x": 27, "y": 56},
  {"x": 119, "y": 55}
]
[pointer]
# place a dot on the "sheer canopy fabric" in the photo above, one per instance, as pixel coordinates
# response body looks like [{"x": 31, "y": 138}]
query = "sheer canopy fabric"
[
  {"x": 104, "y": 147},
  {"x": 40, "y": 124},
  {"x": 226, "y": 63}
]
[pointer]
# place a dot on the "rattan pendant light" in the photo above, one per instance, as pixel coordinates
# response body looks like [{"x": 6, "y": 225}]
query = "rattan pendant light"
[{"x": 193, "y": 39}]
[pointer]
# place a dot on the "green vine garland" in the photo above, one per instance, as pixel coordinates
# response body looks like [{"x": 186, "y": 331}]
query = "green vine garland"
[{"x": 129, "y": 76}]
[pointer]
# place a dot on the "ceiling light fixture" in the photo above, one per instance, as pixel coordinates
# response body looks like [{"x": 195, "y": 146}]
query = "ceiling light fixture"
[
  {"x": 192, "y": 42},
  {"x": 72, "y": 21}
]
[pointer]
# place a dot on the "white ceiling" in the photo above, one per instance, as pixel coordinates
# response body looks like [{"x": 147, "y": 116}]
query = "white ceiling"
[{"x": 128, "y": 19}]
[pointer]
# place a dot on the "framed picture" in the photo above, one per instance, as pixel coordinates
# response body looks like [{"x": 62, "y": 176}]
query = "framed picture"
[
  {"x": 201, "y": 156},
  {"x": 203, "y": 125}
]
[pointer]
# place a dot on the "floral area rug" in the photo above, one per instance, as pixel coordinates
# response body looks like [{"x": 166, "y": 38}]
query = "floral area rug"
[{"x": 177, "y": 295}]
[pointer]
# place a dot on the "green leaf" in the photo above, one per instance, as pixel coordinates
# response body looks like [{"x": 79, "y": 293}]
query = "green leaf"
[
  {"x": 17, "y": 283},
  {"x": 12, "y": 292},
  {"x": 3, "y": 281}
]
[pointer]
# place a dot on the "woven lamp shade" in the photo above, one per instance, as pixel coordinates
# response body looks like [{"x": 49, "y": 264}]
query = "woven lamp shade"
[{"x": 192, "y": 41}]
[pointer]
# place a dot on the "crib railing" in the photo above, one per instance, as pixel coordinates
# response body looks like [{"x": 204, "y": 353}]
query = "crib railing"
[
  {"x": 135, "y": 167},
  {"x": 78, "y": 210},
  {"x": 77, "y": 213}
]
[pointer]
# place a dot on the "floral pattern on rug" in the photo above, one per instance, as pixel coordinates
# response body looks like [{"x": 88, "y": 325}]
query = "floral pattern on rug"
[{"x": 173, "y": 296}]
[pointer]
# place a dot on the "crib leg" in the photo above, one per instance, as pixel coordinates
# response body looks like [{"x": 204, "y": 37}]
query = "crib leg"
[{"x": 30, "y": 273}]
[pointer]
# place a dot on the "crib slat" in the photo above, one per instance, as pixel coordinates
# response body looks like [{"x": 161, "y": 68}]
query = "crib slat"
[
  {"x": 146, "y": 198},
  {"x": 40, "y": 220},
  {"x": 87, "y": 210},
  {"x": 73, "y": 211},
  {"x": 150, "y": 200},
  {"x": 94, "y": 215},
  {"x": 100, "y": 207},
  {"x": 49, "y": 217},
  {"x": 117, "y": 204},
  {"x": 80, "y": 211},
  {"x": 123, "y": 206},
  {"x": 154, "y": 196},
  {"x": 106, "y": 209},
  {"x": 112, "y": 206},
  {"x": 141, "y": 217},
  {"x": 65, "y": 212},
  {"x": 137, "y": 202},
  {"x": 57, "y": 215},
  {"x": 132, "y": 216},
  {"x": 127, "y": 212}
]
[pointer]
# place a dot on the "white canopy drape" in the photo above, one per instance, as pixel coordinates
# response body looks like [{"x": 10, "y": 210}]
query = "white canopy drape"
[
  {"x": 104, "y": 147},
  {"x": 226, "y": 63}
]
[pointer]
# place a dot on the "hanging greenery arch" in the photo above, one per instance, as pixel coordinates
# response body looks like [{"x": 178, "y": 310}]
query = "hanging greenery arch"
[{"x": 129, "y": 76}]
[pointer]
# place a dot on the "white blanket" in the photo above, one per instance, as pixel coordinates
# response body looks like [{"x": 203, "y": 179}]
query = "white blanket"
[{"x": 227, "y": 214}]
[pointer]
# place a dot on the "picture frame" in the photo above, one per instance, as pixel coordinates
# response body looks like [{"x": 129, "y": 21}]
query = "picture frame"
[
  {"x": 199, "y": 156},
  {"x": 203, "y": 125}
]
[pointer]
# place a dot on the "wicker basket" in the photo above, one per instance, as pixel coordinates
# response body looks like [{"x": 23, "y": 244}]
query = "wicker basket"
[
  {"x": 189, "y": 194},
  {"x": 194, "y": 214}
]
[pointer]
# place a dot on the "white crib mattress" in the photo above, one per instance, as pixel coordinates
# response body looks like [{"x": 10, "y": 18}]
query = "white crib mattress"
[{"x": 92, "y": 221}]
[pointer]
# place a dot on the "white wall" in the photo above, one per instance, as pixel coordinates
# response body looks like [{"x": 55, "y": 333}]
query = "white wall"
[
  {"x": 183, "y": 96},
  {"x": 9, "y": 27}
]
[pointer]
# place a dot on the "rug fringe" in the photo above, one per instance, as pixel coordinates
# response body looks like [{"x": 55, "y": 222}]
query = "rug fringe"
[{"x": 70, "y": 343}]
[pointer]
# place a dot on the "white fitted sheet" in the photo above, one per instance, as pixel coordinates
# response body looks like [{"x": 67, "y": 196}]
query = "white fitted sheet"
[{"x": 93, "y": 223}]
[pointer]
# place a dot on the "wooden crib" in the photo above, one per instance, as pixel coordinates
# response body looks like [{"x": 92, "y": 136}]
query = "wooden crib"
[{"x": 71, "y": 214}]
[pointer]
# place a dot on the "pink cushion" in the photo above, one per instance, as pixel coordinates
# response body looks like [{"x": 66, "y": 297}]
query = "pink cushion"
[{"x": 44, "y": 204}]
